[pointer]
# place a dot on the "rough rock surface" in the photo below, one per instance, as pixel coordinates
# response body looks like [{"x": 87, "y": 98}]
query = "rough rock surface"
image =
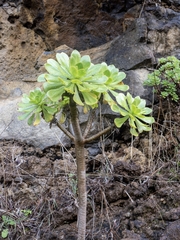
[
  {"x": 79, "y": 24},
  {"x": 40, "y": 136},
  {"x": 19, "y": 49}
]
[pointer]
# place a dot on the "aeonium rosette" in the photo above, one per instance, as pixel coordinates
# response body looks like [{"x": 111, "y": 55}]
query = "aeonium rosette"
[
  {"x": 133, "y": 110},
  {"x": 86, "y": 81},
  {"x": 35, "y": 105}
]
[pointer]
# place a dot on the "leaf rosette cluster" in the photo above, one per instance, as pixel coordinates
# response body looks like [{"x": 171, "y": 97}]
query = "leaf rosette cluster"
[
  {"x": 75, "y": 76},
  {"x": 87, "y": 84},
  {"x": 133, "y": 110},
  {"x": 33, "y": 105}
]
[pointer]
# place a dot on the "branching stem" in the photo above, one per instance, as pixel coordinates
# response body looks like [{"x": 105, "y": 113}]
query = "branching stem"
[
  {"x": 95, "y": 136},
  {"x": 65, "y": 131},
  {"x": 89, "y": 124}
]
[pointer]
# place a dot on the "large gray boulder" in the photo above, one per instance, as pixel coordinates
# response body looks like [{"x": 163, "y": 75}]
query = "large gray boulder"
[{"x": 40, "y": 136}]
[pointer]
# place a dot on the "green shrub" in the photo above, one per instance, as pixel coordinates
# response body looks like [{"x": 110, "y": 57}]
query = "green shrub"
[
  {"x": 75, "y": 81},
  {"x": 166, "y": 78}
]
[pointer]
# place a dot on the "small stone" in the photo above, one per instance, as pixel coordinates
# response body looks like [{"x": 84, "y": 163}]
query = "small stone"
[
  {"x": 18, "y": 180},
  {"x": 6, "y": 5},
  {"x": 16, "y": 92},
  {"x": 128, "y": 214},
  {"x": 93, "y": 151}
]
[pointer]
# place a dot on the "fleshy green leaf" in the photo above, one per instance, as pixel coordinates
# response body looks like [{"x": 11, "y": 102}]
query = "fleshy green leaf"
[
  {"x": 47, "y": 116},
  {"x": 121, "y": 87},
  {"x": 108, "y": 99},
  {"x": 31, "y": 119},
  {"x": 94, "y": 70},
  {"x": 149, "y": 120},
  {"x": 86, "y": 108},
  {"x": 120, "y": 121},
  {"x": 48, "y": 86},
  {"x": 54, "y": 64},
  {"x": 56, "y": 79},
  {"x": 37, "y": 119},
  {"x": 121, "y": 99},
  {"x": 74, "y": 58},
  {"x": 141, "y": 126},
  {"x": 41, "y": 78},
  {"x": 115, "y": 108},
  {"x": 86, "y": 61},
  {"x": 146, "y": 110},
  {"x": 131, "y": 122},
  {"x": 76, "y": 98},
  {"x": 56, "y": 94},
  {"x": 90, "y": 98},
  {"x": 97, "y": 80},
  {"x": 74, "y": 71},
  {"x": 129, "y": 99},
  {"x": 63, "y": 60},
  {"x": 4, "y": 233},
  {"x": 27, "y": 107},
  {"x": 70, "y": 88},
  {"x": 81, "y": 88},
  {"x": 51, "y": 69},
  {"x": 134, "y": 132},
  {"x": 24, "y": 116},
  {"x": 121, "y": 75},
  {"x": 62, "y": 118}
]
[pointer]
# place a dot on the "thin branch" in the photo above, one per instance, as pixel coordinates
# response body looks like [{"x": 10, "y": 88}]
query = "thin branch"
[
  {"x": 142, "y": 9},
  {"x": 104, "y": 131},
  {"x": 75, "y": 120},
  {"x": 89, "y": 124},
  {"x": 65, "y": 131},
  {"x": 129, "y": 196}
]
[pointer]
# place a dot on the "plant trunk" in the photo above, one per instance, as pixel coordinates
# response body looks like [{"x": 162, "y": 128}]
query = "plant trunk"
[
  {"x": 81, "y": 170},
  {"x": 79, "y": 141},
  {"x": 82, "y": 195}
]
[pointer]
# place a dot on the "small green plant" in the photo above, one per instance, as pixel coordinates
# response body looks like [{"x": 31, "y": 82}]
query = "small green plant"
[
  {"x": 166, "y": 78},
  {"x": 26, "y": 212},
  {"x": 73, "y": 82},
  {"x": 7, "y": 222}
]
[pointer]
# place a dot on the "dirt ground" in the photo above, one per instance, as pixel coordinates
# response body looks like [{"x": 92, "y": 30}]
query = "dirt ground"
[{"x": 133, "y": 187}]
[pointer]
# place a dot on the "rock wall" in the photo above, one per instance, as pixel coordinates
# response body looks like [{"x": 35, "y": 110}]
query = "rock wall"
[{"x": 129, "y": 34}]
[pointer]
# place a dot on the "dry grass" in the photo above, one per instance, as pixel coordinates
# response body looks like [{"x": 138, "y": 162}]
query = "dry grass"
[{"x": 52, "y": 195}]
